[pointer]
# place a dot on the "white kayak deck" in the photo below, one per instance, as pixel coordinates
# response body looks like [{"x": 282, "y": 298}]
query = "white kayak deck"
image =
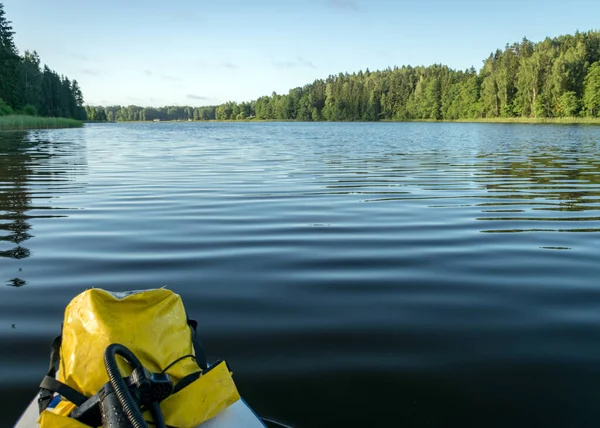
[{"x": 238, "y": 415}]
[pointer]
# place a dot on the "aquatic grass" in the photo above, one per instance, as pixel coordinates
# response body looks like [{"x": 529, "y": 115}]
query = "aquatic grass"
[
  {"x": 525, "y": 120},
  {"x": 22, "y": 122},
  {"x": 535, "y": 120}
]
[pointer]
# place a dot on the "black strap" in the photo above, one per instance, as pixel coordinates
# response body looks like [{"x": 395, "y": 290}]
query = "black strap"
[
  {"x": 74, "y": 396},
  {"x": 55, "y": 355},
  {"x": 50, "y": 385},
  {"x": 192, "y": 377},
  {"x": 198, "y": 347},
  {"x": 185, "y": 381},
  {"x": 199, "y": 357},
  {"x": 46, "y": 394}
]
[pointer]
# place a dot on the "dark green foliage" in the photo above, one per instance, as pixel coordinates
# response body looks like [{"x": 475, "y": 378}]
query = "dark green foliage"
[
  {"x": 28, "y": 89},
  {"x": 29, "y": 110},
  {"x": 5, "y": 109},
  {"x": 9, "y": 64},
  {"x": 31, "y": 78}
]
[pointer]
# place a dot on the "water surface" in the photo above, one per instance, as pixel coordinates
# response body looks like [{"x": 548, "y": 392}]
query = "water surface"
[{"x": 351, "y": 274}]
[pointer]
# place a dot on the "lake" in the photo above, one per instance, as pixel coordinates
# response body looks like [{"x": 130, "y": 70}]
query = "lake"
[{"x": 352, "y": 274}]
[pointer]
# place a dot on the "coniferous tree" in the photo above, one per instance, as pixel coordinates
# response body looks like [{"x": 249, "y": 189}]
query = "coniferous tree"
[
  {"x": 9, "y": 63},
  {"x": 26, "y": 88}
]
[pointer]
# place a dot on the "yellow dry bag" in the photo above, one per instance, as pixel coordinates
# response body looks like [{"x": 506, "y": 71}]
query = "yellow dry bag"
[{"x": 154, "y": 326}]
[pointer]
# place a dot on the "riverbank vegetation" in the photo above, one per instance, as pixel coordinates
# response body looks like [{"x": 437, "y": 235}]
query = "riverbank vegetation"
[
  {"x": 21, "y": 122},
  {"x": 568, "y": 120},
  {"x": 555, "y": 78},
  {"x": 27, "y": 88}
]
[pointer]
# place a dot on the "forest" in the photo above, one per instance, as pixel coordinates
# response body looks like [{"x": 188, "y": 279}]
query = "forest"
[
  {"x": 557, "y": 77},
  {"x": 136, "y": 113},
  {"x": 30, "y": 89}
]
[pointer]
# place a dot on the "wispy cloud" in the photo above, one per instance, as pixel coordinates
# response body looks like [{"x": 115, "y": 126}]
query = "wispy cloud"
[
  {"x": 208, "y": 65},
  {"x": 229, "y": 65},
  {"x": 89, "y": 72},
  {"x": 285, "y": 64},
  {"x": 299, "y": 62},
  {"x": 343, "y": 4},
  {"x": 197, "y": 97},
  {"x": 80, "y": 57},
  {"x": 306, "y": 63},
  {"x": 148, "y": 73}
]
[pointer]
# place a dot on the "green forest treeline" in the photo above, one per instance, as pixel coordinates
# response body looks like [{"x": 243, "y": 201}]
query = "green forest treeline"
[
  {"x": 27, "y": 89},
  {"x": 557, "y": 77}
]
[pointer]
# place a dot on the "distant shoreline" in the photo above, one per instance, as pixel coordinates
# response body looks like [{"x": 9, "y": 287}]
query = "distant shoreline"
[{"x": 518, "y": 120}]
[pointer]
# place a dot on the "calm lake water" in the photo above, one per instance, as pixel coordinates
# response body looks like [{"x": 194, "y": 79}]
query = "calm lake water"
[{"x": 443, "y": 275}]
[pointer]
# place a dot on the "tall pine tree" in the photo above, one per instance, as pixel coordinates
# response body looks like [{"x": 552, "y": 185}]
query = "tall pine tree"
[{"x": 9, "y": 64}]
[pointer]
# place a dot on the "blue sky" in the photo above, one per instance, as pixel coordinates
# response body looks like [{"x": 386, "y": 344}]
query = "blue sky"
[{"x": 200, "y": 52}]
